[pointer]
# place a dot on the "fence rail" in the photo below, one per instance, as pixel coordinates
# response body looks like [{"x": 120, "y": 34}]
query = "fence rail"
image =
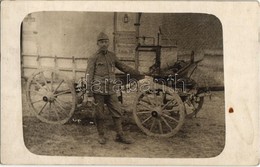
[{"x": 37, "y": 63}]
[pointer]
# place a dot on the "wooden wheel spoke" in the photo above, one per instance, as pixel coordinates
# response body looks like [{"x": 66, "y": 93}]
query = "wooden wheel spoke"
[
  {"x": 63, "y": 92},
  {"x": 42, "y": 108},
  {"x": 160, "y": 126},
  {"x": 171, "y": 98},
  {"x": 61, "y": 101},
  {"x": 169, "y": 102},
  {"x": 164, "y": 97},
  {"x": 52, "y": 81},
  {"x": 58, "y": 86},
  {"x": 147, "y": 119},
  {"x": 175, "y": 102},
  {"x": 39, "y": 84},
  {"x": 37, "y": 101},
  {"x": 145, "y": 105},
  {"x": 172, "y": 109},
  {"x": 160, "y": 99},
  {"x": 56, "y": 112},
  {"x": 167, "y": 116},
  {"x": 143, "y": 100},
  {"x": 59, "y": 104},
  {"x": 144, "y": 112},
  {"x": 45, "y": 81},
  {"x": 166, "y": 123},
  {"x": 64, "y": 103},
  {"x": 155, "y": 98},
  {"x": 37, "y": 92},
  {"x": 149, "y": 99},
  {"x": 153, "y": 123}
]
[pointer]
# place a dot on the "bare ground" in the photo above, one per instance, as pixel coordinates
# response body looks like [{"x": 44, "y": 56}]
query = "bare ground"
[{"x": 200, "y": 137}]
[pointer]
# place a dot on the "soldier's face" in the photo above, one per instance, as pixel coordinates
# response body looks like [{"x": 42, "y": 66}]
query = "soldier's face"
[{"x": 103, "y": 44}]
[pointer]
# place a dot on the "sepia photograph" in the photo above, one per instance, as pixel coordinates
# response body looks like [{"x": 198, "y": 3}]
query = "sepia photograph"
[
  {"x": 122, "y": 84},
  {"x": 157, "y": 83}
]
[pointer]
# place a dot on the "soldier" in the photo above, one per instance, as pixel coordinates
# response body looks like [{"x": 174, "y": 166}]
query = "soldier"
[{"x": 100, "y": 77}]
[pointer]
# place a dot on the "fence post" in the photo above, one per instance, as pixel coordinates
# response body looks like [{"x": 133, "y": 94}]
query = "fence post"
[
  {"x": 55, "y": 63},
  {"x": 38, "y": 61},
  {"x": 74, "y": 68},
  {"x": 55, "y": 66}
]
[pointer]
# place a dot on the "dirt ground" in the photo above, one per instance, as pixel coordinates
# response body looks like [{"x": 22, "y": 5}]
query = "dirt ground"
[{"x": 200, "y": 137}]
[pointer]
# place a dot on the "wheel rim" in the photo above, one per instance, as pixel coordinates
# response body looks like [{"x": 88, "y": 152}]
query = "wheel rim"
[
  {"x": 159, "y": 112},
  {"x": 51, "y": 96}
]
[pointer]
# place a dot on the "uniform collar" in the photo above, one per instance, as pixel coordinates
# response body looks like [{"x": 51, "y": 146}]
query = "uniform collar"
[{"x": 102, "y": 52}]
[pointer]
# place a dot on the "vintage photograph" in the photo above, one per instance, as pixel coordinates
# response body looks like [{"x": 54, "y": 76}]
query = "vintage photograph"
[{"x": 123, "y": 84}]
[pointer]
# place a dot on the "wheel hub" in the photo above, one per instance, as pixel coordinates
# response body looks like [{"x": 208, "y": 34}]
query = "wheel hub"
[
  {"x": 156, "y": 113},
  {"x": 45, "y": 98},
  {"x": 49, "y": 97}
]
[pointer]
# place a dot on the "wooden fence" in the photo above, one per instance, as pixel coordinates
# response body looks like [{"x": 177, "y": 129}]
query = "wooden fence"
[{"x": 73, "y": 67}]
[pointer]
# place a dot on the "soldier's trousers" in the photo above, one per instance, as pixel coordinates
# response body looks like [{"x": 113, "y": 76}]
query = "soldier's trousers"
[{"x": 114, "y": 108}]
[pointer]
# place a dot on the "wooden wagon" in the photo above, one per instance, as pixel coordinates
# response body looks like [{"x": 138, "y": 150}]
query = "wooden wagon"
[{"x": 159, "y": 109}]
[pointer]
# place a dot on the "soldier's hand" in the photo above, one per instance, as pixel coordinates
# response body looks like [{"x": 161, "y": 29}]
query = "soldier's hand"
[
  {"x": 90, "y": 101},
  {"x": 143, "y": 73}
]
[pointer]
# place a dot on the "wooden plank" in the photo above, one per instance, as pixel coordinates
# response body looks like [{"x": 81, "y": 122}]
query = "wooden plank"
[
  {"x": 27, "y": 55},
  {"x": 81, "y": 58},
  {"x": 53, "y": 57},
  {"x": 126, "y": 37},
  {"x": 30, "y": 67}
]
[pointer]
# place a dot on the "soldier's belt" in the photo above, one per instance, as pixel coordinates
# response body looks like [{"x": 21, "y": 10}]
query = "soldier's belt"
[{"x": 104, "y": 80}]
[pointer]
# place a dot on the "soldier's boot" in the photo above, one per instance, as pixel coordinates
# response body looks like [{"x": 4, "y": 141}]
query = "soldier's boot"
[
  {"x": 120, "y": 136},
  {"x": 101, "y": 133}
]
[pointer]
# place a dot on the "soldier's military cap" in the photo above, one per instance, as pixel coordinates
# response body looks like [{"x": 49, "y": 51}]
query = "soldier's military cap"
[{"x": 102, "y": 36}]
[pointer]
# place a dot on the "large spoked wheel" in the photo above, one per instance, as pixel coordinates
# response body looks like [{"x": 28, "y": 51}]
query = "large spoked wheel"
[
  {"x": 51, "y": 96},
  {"x": 159, "y": 112}
]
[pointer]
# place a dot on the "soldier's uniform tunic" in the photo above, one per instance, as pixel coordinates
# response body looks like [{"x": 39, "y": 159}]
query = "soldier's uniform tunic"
[{"x": 100, "y": 77}]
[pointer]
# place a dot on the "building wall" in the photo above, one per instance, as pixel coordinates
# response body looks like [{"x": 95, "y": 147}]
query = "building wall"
[
  {"x": 70, "y": 34},
  {"x": 194, "y": 31}
]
